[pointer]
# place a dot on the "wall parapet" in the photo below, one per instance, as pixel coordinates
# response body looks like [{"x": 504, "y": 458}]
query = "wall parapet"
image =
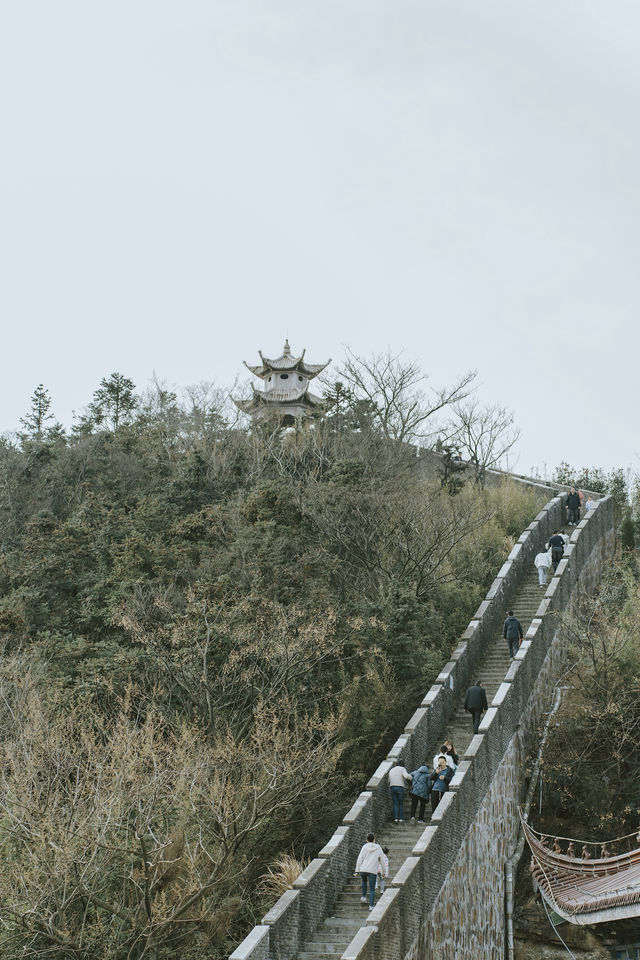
[{"x": 390, "y": 923}]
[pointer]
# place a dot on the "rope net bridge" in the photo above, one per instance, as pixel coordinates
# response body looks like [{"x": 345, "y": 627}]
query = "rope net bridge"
[{"x": 587, "y": 883}]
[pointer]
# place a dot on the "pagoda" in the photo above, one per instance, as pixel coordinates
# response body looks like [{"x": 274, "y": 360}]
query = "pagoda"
[{"x": 285, "y": 395}]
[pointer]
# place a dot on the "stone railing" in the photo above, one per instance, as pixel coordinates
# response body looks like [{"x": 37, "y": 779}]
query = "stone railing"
[{"x": 392, "y": 926}]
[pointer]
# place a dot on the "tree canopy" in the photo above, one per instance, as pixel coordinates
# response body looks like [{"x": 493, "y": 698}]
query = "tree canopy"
[{"x": 210, "y": 636}]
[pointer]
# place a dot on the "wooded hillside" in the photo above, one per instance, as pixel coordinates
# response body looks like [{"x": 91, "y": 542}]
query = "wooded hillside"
[{"x": 211, "y": 635}]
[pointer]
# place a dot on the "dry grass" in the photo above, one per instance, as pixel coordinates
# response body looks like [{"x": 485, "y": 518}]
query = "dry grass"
[{"x": 281, "y": 875}]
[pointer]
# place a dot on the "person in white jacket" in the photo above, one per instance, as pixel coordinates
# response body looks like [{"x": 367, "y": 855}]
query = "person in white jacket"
[
  {"x": 383, "y": 873},
  {"x": 542, "y": 562},
  {"x": 442, "y": 752},
  {"x": 370, "y": 860},
  {"x": 398, "y": 776}
]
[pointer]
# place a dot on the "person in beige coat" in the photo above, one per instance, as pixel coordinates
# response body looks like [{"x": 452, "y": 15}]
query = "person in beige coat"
[
  {"x": 398, "y": 776},
  {"x": 370, "y": 861}
]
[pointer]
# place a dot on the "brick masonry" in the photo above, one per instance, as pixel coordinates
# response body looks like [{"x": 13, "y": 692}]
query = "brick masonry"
[
  {"x": 447, "y": 899},
  {"x": 475, "y": 879}
]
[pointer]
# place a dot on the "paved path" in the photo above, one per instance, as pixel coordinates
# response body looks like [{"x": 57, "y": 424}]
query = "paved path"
[{"x": 349, "y": 914}]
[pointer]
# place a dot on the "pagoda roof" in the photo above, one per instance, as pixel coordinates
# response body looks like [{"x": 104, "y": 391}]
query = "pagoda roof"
[
  {"x": 584, "y": 890},
  {"x": 286, "y": 362},
  {"x": 279, "y": 398}
]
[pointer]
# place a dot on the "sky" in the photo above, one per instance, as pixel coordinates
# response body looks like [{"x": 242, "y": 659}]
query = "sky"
[{"x": 182, "y": 184}]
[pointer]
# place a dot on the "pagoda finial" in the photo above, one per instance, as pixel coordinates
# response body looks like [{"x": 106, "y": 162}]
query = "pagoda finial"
[{"x": 287, "y": 349}]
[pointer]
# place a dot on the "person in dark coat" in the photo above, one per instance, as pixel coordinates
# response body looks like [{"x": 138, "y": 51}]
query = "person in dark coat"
[
  {"x": 573, "y": 507},
  {"x": 420, "y": 790},
  {"x": 475, "y": 702},
  {"x": 440, "y": 781},
  {"x": 556, "y": 545},
  {"x": 450, "y": 751},
  {"x": 512, "y": 633}
]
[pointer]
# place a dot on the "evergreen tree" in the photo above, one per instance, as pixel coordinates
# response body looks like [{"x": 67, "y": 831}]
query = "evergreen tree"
[
  {"x": 627, "y": 533},
  {"x": 35, "y": 422},
  {"x": 339, "y": 399},
  {"x": 452, "y": 468},
  {"x": 404, "y": 639},
  {"x": 598, "y": 480},
  {"x": 113, "y": 404},
  {"x": 618, "y": 487},
  {"x": 269, "y": 590}
]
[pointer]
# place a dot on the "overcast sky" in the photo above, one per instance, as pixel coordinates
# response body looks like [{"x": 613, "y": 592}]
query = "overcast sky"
[{"x": 185, "y": 183}]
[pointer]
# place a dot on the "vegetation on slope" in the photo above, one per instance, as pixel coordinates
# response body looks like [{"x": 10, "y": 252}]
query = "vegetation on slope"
[
  {"x": 210, "y": 635},
  {"x": 591, "y": 769}
]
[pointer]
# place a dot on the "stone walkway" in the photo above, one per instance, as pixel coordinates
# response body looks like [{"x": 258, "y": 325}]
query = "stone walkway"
[{"x": 349, "y": 914}]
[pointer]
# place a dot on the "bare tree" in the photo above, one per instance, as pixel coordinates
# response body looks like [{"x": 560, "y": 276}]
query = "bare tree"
[
  {"x": 211, "y": 407},
  {"x": 127, "y": 838},
  {"x": 270, "y": 654},
  {"x": 484, "y": 434},
  {"x": 599, "y": 723},
  {"x": 401, "y": 401},
  {"x": 386, "y": 533}
]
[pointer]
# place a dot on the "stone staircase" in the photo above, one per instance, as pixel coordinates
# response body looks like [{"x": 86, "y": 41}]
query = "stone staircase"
[
  {"x": 337, "y": 931},
  {"x": 349, "y": 914},
  {"x": 496, "y": 661}
]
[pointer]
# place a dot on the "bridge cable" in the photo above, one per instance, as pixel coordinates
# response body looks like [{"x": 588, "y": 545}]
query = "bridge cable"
[{"x": 555, "y": 929}]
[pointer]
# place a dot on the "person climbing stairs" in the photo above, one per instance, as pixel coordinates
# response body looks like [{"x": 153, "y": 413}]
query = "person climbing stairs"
[{"x": 337, "y": 931}]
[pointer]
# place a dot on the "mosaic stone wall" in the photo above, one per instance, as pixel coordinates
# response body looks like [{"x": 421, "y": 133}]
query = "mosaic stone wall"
[
  {"x": 447, "y": 898},
  {"x": 467, "y": 919}
]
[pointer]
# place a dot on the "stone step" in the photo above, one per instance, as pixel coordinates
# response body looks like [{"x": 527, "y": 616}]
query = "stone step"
[
  {"x": 316, "y": 955},
  {"x": 341, "y": 924},
  {"x": 396, "y": 849},
  {"x": 328, "y": 940},
  {"x": 331, "y": 947},
  {"x": 405, "y": 829},
  {"x": 322, "y": 954},
  {"x": 348, "y": 913},
  {"x": 349, "y": 896},
  {"x": 332, "y": 932},
  {"x": 393, "y": 841},
  {"x": 323, "y": 947},
  {"x": 358, "y": 916},
  {"x": 395, "y": 853}
]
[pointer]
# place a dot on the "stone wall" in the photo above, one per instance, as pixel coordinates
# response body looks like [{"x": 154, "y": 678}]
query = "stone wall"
[
  {"x": 460, "y": 856},
  {"x": 476, "y": 876}
]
